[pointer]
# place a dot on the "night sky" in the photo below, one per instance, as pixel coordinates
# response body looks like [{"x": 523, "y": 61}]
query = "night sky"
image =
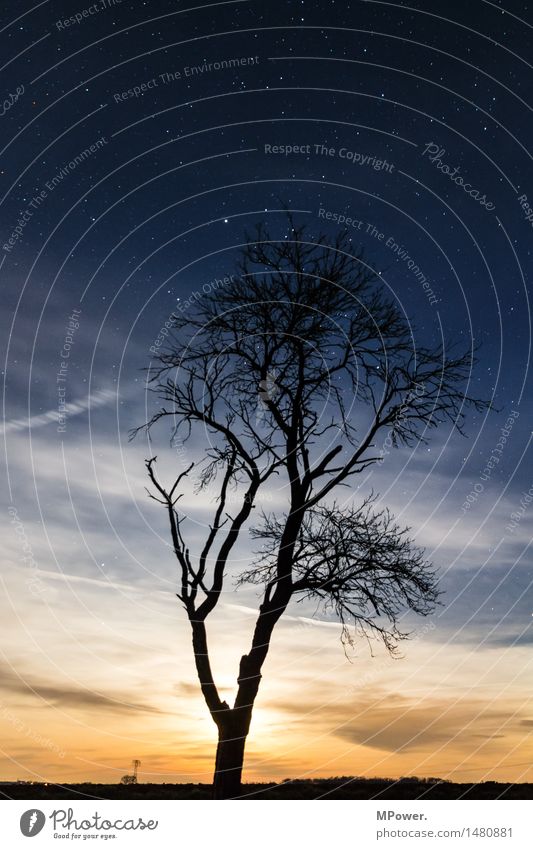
[{"x": 140, "y": 140}]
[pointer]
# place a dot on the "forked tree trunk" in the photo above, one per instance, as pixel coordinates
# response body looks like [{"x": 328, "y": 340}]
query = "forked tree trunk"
[
  {"x": 234, "y": 723},
  {"x": 232, "y": 734}
]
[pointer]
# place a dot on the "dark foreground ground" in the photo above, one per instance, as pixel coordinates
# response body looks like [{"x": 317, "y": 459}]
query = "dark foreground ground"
[{"x": 330, "y": 788}]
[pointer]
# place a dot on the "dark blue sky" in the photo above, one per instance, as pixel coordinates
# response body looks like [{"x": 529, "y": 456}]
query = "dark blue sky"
[{"x": 158, "y": 206}]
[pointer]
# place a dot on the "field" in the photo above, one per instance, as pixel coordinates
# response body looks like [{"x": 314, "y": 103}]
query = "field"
[{"x": 330, "y": 788}]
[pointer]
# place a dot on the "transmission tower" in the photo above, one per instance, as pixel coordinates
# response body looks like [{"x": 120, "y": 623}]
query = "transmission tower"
[{"x": 131, "y": 779}]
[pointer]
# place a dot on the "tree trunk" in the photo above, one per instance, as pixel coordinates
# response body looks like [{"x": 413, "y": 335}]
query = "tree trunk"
[
  {"x": 232, "y": 733},
  {"x": 234, "y": 723}
]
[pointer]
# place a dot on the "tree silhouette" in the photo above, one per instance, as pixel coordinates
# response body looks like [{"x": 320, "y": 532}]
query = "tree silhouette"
[{"x": 296, "y": 370}]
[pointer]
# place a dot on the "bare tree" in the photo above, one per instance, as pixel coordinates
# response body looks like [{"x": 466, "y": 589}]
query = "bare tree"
[{"x": 296, "y": 370}]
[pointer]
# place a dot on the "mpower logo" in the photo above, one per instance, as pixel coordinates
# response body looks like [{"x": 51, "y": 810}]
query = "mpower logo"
[{"x": 32, "y": 822}]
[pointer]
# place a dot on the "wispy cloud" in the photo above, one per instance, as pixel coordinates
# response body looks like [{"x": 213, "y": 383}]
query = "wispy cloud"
[
  {"x": 395, "y": 723},
  {"x": 101, "y": 398},
  {"x": 73, "y": 697}
]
